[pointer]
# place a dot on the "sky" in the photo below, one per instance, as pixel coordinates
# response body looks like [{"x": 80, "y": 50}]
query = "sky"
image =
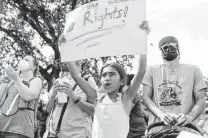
[{"x": 187, "y": 21}]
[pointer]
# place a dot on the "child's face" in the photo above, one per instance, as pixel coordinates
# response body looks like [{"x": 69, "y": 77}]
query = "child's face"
[{"x": 111, "y": 80}]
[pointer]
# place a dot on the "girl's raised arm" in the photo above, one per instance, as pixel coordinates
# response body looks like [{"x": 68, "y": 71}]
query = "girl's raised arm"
[
  {"x": 137, "y": 80},
  {"x": 91, "y": 93}
]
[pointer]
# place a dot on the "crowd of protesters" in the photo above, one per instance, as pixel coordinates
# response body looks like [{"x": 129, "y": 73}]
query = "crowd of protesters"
[{"x": 122, "y": 107}]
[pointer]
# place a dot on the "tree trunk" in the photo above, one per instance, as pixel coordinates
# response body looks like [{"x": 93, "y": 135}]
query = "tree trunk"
[{"x": 74, "y": 3}]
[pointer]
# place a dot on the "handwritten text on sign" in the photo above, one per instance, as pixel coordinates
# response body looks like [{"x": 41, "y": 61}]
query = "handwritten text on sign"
[{"x": 104, "y": 28}]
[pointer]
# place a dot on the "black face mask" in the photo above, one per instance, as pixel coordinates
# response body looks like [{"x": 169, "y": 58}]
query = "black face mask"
[{"x": 170, "y": 53}]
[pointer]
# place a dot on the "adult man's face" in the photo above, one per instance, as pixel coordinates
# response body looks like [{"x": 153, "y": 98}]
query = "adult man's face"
[{"x": 170, "y": 51}]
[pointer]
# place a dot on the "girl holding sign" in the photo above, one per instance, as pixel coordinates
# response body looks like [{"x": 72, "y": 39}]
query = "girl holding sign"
[{"x": 113, "y": 106}]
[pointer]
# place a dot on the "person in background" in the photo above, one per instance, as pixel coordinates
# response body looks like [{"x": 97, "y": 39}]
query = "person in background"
[
  {"x": 77, "y": 118},
  {"x": 19, "y": 102},
  {"x": 42, "y": 114},
  {"x": 145, "y": 111},
  {"x": 173, "y": 92},
  {"x": 203, "y": 119},
  {"x": 205, "y": 127},
  {"x": 137, "y": 122}
]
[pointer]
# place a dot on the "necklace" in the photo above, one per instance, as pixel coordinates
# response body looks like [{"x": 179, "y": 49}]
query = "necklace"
[
  {"x": 116, "y": 96},
  {"x": 167, "y": 75}
]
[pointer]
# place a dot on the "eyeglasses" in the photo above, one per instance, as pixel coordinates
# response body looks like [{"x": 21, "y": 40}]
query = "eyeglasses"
[{"x": 165, "y": 47}]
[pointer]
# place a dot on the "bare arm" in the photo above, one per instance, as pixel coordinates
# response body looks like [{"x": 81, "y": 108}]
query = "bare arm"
[
  {"x": 138, "y": 76},
  {"x": 52, "y": 96},
  {"x": 198, "y": 108},
  {"x": 142, "y": 65},
  {"x": 29, "y": 93},
  {"x": 148, "y": 93},
  {"x": 198, "y": 94},
  {"x": 92, "y": 83},
  {"x": 88, "y": 107},
  {"x": 90, "y": 92}
]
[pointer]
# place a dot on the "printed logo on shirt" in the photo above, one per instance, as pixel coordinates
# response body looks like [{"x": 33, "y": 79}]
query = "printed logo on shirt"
[{"x": 169, "y": 94}]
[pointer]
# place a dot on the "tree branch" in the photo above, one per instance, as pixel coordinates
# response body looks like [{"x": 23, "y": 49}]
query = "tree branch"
[
  {"x": 74, "y": 4},
  {"x": 37, "y": 27},
  {"x": 44, "y": 73},
  {"x": 45, "y": 14}
]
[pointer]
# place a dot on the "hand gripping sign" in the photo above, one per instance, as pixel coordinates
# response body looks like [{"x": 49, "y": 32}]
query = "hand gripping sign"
[{"x": 104, "y": 28}]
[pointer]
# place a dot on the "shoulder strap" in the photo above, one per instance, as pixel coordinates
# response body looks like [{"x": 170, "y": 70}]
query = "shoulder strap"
[
  {"x": 5, "y": 92},
  {"x": 36, "y": 111},
  {"x": 101, "y": 97},
  {"x": 74, "y": 87},
  {"x": 63, "y": 110},
  {"x": 61, "y": 117}
]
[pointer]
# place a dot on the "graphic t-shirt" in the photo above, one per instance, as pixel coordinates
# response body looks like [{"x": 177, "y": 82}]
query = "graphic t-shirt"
[{"x": 173, "y": 91}]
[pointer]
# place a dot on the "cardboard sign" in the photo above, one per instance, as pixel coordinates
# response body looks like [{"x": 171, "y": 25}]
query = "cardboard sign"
[{"x": 104, "y": 28}]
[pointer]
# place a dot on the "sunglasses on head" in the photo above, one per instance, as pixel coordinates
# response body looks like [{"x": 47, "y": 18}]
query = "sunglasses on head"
[{"x": 165, "y": 47}]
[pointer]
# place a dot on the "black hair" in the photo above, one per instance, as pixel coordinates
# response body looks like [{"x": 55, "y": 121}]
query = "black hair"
[
  {"x": 129, "y": 79},
  {"x": 64, "y": 67},
  {"x": 36, "y": 64}
]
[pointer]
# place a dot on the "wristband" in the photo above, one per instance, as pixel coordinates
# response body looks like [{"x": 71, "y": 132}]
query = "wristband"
[{"x": 77, "y": 100}]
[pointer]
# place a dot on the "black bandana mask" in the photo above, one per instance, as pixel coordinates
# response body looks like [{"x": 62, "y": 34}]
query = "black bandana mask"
[{"x": 169, "y": 53}]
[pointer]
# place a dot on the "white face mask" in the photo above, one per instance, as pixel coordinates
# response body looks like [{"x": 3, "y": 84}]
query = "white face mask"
[{"x": 23, "y": 65}]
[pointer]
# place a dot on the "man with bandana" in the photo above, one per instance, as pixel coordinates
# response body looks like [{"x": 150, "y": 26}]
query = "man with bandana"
[{"x": 173, "y": 92}]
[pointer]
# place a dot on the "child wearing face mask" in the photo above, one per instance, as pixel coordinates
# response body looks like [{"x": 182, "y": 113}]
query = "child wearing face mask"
[{"x": 18, "y": 101}]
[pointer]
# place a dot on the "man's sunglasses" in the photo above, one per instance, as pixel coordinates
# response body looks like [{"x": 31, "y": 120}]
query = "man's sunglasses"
[{"x": 165, "y": 47}]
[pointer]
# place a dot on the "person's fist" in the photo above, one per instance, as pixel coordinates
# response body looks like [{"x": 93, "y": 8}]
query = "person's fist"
[
  {"x": 12, "y": 74},
  {"x": 145, "y": 26},
  {"x": 168, "y": 119},
  {"x": 183, "y": 119}
]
